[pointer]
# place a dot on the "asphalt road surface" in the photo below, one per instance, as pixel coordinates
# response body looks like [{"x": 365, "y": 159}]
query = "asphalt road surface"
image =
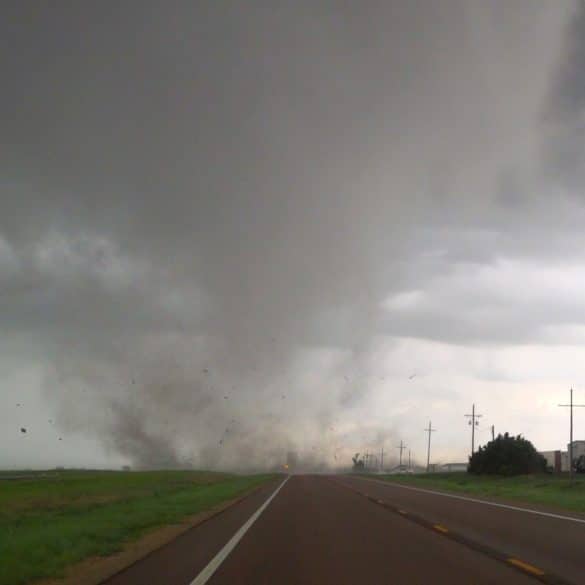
[{"x": 344, "y": 530}]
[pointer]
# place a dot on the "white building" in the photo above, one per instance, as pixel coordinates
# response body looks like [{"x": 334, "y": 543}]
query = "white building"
[
  {"x": 559, "y": 460},
  {"x": 554, "y": 460},
  {"x": 578, "y": 448}
]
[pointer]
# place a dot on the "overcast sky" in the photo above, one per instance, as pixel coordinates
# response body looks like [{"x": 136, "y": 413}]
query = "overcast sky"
[{"x": 230, "y": 230}]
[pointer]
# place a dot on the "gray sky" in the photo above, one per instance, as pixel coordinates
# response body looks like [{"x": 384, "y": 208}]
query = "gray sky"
[{"x": 229, "y": 231}]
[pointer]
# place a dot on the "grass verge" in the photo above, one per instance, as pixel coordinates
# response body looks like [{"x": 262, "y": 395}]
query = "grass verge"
[
  {"x": 52, "y": 522},
  {"x": 550, "y": 490}
]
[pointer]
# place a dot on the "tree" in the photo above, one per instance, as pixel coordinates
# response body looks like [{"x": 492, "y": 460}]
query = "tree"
[
  {"x": 358, "y": 464},
  {"x": 507, "y": 455}
]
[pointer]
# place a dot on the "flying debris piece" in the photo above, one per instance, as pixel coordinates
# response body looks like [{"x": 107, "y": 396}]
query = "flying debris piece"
[
  {"x": 133, "y": 381},
  {"x": 283, "y": 397},
  {"x": 206, "y": 370},
  {"x": 225, "y": 397},
  {"x": 411, "y": 377},
  {"x": 22, "y": 430},
  {"x": 221, "y": 442},
  {"x": 50, "y": 421},
  {"x": 18, "y": 404},
  {"x": 60, "y": 439}
]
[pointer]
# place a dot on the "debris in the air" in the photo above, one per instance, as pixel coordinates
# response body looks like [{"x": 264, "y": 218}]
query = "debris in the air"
[
  {"x": 206, "y": 370},
  {"x": 60, "y": 439},
  {"x": 225, "y": 397},
  {"x": 221, "y": 442},
  {"x": 50, "y": 421},
  {"x": 18, "y": 404},
  {"x": 133, "y": 381},
  {"x": 411, "y": 377},
  {"x": 22, "y": 430}
]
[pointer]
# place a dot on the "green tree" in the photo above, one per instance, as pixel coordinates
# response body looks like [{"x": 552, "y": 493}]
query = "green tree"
[{"x": 507, "y": 455}]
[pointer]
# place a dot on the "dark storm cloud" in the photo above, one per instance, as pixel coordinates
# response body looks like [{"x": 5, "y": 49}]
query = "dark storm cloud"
[
  {"x": 199, "y": 195},
  {"x": 565, "y": 153}
]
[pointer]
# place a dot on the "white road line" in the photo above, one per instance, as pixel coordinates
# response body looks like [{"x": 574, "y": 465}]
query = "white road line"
[
  {"x": 475, "y": 501},
  {"x": 216, "y": 561}
]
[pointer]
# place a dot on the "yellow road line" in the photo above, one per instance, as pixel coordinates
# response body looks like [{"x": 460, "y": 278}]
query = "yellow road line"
[
  {"x": 440, "y": 528},
  {"x": 526, "y": 567}
]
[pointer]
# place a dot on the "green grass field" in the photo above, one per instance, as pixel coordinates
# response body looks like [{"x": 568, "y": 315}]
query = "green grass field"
[
  {"x": 51, "y": 521},
  {"x": 551, "y": 490}
]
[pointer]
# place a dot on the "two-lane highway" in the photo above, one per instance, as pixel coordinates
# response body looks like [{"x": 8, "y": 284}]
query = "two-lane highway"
[{"x": 323, "y": 530}]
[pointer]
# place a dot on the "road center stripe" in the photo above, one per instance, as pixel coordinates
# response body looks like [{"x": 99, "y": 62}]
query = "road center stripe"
[
  {"x": 526, "y": 567},
  {"x": 218, "y": 559},
  {"x": 476, "y": 501}
]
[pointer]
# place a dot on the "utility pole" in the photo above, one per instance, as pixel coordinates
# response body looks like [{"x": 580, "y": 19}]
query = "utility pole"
[
  {"x": 473, "y": 424},
  {"x": 402, "y": 446},
  {"x": 429, "y": 431},
  {"x": 571, "y": 405},
  {"x": 409, "y": 459},
  {"x": 493, "y": 433},
  {"x": 382, "y": 459}
]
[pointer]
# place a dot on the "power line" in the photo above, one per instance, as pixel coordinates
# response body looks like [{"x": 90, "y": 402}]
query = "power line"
[
  {"x": 473, "y": 424},
  {"x": 571, "y": 406},
  {"x": 402, "y": 446},
  {"x": 429, "y": 431}
]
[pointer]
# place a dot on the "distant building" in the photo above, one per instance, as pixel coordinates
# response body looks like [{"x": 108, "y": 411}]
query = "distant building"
[
  {"x": 453, "y": 467},
  {"x": 578, "y": 448},
  {"x": 558, "y": 460},
  {"x": 554, "y": 460}
]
